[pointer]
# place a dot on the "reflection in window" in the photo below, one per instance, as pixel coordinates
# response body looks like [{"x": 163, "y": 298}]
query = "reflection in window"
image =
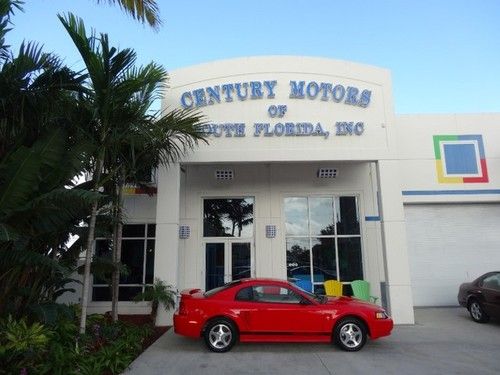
[
  {"x": 350, "y": 264},
  {"x": 321, "y": 216},
  {"x": 347, "y": 215},
  {"x": 324, "y": 263},
  {"x": 296, "y": 216},
  {"x": 298, "y": 259},
  {"x": 138, "y": 250},
  {"x": 228, "y": 217},
  {"x": 326, "y": 232}
]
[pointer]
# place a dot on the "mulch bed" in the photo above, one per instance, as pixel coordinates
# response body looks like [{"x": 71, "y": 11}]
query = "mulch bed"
[{"x": 140, "y": 320}]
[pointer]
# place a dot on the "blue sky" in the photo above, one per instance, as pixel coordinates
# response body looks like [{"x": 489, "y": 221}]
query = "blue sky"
[{"x": 444, "y": 55}]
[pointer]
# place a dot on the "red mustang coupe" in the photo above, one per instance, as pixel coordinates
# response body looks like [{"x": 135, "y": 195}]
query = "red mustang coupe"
[{"x": 268, "y": 310}]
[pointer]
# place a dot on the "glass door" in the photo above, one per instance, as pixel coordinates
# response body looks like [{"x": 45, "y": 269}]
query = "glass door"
[{"x": 226, "y": 261}]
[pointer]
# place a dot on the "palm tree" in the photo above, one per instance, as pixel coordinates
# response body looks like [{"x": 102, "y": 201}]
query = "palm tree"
[
  {"x": 40, "y": 153},
  {"x": 141, "y": 10},
  {"x": 159, "y": 293},
  {"x": 127, "y": 137}
]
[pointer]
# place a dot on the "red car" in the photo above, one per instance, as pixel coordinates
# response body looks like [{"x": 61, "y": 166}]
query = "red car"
[{"x": 268, "y": 310}]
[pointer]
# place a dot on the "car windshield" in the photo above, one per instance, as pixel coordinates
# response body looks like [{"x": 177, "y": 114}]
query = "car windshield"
[{"x": 211, "y": 292}]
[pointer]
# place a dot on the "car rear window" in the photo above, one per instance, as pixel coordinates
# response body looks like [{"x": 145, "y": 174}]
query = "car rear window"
[{"x": 211, "y": 292}]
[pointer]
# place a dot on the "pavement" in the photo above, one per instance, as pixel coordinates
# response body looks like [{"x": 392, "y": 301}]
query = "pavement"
[{"x": 443, "y": 341}]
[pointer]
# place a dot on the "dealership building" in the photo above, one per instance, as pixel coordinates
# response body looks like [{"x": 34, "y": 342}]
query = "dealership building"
[{"x": 309, "y": 175}]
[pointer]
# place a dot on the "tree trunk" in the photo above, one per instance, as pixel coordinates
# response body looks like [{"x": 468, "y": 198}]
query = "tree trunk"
[
  {"x": 88, "y": 251},
  {"x": 117, "y": 251},
  {"x": 86, "y": 274}
]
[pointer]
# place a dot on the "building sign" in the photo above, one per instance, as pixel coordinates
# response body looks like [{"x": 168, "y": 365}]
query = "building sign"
[
  {"x": 241, "y": 91},
  {"x": 261, "y": 90}
]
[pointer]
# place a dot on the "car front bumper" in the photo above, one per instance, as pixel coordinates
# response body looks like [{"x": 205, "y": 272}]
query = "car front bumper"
[{"x": 381, "y": 328}]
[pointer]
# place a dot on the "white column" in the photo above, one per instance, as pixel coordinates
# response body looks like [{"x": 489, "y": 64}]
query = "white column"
[
  {"x": 167, "y": 233},
  {"x": 397, "y": 269}
]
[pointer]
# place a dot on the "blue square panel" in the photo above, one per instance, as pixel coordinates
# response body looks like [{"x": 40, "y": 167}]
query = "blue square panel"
[{"x": 460, "y": 159}]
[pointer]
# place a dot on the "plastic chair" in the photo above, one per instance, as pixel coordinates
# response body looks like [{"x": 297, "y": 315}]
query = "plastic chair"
[
  {"x": 361, "y": 290},
  {"x": 305, "y": 285},
  {"x": 333, "y": 288}
]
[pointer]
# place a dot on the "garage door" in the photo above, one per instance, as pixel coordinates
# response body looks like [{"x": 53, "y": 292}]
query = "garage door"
[{"x": 450, "y": 244}]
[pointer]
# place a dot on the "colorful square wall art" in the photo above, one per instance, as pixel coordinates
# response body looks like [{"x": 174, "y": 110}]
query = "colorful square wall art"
[{"x": 460, "y": 159}]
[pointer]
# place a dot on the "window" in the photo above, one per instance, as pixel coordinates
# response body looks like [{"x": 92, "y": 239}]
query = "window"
[
  {"x": 323, "y": 240},
  {"x": 492, "y": 282},
  {"x": 275, "y": 294},
  {"x": 228, "y": 217},
  {"x": 138, "y": 251}
]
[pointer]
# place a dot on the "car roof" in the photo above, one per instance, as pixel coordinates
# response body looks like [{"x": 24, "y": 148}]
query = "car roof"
[{"x": 264, "y": 280}]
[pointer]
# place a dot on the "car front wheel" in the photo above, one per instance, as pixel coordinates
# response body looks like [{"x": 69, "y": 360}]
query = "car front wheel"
[
  {"x": 350, "y": 334},
  {"x": 220, "y": 335},
  {"x": 477, "y": 313}
]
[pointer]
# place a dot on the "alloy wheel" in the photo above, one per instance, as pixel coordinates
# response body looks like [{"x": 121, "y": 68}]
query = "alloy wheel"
[
  {"x": 220, "y": 336},
  {"x": 351, "y": 335}
]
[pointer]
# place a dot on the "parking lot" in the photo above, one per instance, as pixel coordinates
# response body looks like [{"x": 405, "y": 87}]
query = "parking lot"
[{"x": 443, "y": 341}]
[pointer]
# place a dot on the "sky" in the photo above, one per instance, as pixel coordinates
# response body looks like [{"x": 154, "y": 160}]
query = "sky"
[{"x": 444, "y": 55}]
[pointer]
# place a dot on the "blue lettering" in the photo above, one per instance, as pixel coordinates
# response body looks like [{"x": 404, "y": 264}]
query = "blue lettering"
[
  {"x": 359, "y": 128},
  {"x": 297, "y": 91},
  {"x": 272, "y": 110},
  {"x": 228, "y": 89},
  {"x": 238, "y": 90},
  {"x": 186, "y": 100},
  {"x": 312, "y": 90},
  {"x": 325, "y": 88},
  {"x": 289, "y": 128},
  {"x": 239, "y": 130},
  {"x": 258, "y": 128},
  {"x": 267, "y": 133},
  {"x": 199, "y": 98},
  {"x": 213, "y": 93},
  {"x": 365, "y": 98},
  {"x": 338, "y": 93},
  {"x": 279, "y": 129},
  {"x": 269, "y": 85},
  {"x": 352, "y": 92},
  {"x": 256, "y": 90}
]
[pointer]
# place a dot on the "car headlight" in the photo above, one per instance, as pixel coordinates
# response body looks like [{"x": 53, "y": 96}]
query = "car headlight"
[{"x": 381, "y": 315}]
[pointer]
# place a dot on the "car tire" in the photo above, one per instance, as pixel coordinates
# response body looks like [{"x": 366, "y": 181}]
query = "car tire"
[
  {"x": 350, "y": 334},
  {"x": 220, "y": 335},
  {"x": 477, "y": 313}
]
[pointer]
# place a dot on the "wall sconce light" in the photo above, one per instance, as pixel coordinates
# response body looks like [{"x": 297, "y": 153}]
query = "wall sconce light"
[
  {"x": 184, "y": 232},
  {"x": 327, "y": 173},
  {"x": 270, "y": 231}
]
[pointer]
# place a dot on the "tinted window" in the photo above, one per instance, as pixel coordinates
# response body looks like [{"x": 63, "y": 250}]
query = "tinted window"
[
  {"x": 245, "y": 294},
  {"x": 228, "y": 217},
  {"x": 221, "y": 288},
  {"x": 275, "y": 294},
  {"x": 492, "y": 282}
]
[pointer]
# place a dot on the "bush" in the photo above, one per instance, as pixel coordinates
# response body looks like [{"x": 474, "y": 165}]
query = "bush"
[{"x": 37, "y": 349}]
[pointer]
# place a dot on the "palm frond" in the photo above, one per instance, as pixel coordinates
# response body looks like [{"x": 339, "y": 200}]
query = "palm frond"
[{"x": 141, "y": 10}]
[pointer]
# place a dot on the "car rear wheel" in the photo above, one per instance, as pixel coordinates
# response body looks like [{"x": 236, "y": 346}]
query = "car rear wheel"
[
  {"x": 350, "y": 334},
  {"x": 477, "y": 313},
  {"x": 220, "y": 335}
]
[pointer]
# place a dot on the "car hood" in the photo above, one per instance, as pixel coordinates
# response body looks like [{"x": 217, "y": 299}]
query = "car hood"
[{"x": 350, "y": 301}]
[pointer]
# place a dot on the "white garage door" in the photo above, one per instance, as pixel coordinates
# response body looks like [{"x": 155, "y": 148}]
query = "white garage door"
[{"x": 449, "y": 244}]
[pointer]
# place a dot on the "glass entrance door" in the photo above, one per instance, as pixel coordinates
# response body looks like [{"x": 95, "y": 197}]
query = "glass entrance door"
[{"x": 226, "y": 261}]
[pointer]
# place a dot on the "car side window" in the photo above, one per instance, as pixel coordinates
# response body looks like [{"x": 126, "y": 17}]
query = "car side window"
[
  {"x": 245, "y": 294},
  {"x": 492, "y": 282},
  {"x": 275, "y": 294}
]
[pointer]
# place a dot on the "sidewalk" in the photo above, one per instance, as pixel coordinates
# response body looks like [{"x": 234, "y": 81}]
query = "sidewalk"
[{"x": 443, "y": 341}]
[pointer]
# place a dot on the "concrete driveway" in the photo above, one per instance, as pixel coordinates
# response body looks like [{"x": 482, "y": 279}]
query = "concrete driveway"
[{"x": 443, "y": 341}]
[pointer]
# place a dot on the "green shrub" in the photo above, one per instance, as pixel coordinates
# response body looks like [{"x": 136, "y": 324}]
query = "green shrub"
[{"x": 107, "y": 347}]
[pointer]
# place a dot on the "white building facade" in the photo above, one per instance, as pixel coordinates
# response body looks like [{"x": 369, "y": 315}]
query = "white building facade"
[{"x": 308, "y": 175}]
